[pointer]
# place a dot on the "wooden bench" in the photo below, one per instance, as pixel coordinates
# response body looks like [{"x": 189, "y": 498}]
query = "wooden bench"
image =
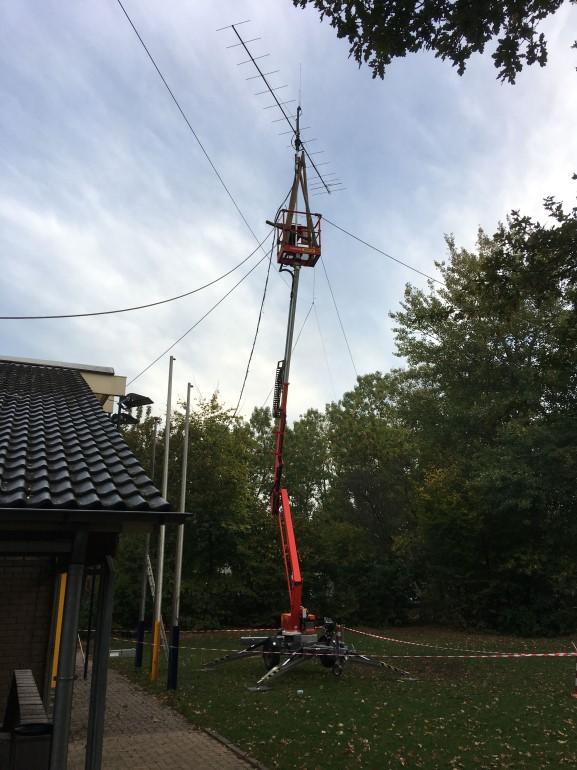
[{"x": 27, "y": 731}]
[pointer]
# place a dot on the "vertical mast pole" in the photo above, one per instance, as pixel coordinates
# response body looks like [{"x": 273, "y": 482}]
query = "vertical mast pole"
[
  {"x": 161, "y": 534},
  {"x": 295, "y": 240},
  {"x": 139, "y": 653},
  {"x": 299, "y": 163},
  {"x": 154, "y": 438},
  {"x": 175, "y": 623},
  {"x": 281, "y": 426},
  {"x": 291, "y": 324},
  {"x": 281, "y": 420}
]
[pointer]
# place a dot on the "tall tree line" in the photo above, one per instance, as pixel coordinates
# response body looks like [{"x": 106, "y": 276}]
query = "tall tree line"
[{"x": 442, "y": 491}]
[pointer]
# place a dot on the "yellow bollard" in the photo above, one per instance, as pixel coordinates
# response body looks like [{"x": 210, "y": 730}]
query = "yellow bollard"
[
  {"x": 155, "y": 652},
  {"x": 58, "y": 629}
]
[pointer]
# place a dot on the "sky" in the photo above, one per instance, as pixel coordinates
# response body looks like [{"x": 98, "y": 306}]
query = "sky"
[{"x": 107, "y": 200}]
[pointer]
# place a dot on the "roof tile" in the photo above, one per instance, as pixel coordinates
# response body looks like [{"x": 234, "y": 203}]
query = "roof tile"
[{"x": 58, "y": 449}]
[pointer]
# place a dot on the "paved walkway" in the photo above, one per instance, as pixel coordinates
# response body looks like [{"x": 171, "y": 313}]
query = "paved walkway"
[{"x": 143, "y": 734}]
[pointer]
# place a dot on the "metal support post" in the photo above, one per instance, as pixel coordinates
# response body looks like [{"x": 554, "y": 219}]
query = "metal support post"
[
  {"x": 89, "y": 630},
  {"x": 291, "y": 323},
  {"x": 67, "y": 657},
  {"x": 142, "y": 611},
  {"x": 95, "y": 734},
  {"x": 141, "y": 628},
  {"x": 175, "y": 624},
  {"x": 281, "y": 419},
  {"x": 154, "y": 440},
  {"x": 161, "y": 534}
]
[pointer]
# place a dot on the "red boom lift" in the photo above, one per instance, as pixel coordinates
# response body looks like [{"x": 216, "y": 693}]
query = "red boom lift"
[{"x": 301, "y": 637}]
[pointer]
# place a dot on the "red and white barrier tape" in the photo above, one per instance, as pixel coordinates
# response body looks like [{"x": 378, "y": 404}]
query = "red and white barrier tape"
[
  {"x": 422, "y": 644},
  {"x": 487, "y": 655},
  {"x": 133, "y": 643},
  {"x": 193, "y": 632},
  {"x": 228, "y": 631},
  {"x": 392, "y": 639},
  {"x": 398, "y": 657}
]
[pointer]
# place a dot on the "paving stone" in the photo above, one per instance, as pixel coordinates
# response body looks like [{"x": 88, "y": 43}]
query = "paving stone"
[{"x": 141, "y": 733}]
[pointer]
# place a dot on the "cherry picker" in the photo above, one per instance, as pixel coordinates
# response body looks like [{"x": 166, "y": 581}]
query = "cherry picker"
[{"x": 301, "y": 635}]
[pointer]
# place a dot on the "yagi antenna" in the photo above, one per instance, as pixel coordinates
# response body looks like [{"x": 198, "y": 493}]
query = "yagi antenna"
[{"x": 287, "y": 114}]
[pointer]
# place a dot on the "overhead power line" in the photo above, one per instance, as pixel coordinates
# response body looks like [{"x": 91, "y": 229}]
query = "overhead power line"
[
  {"x": 260, "y": 311},
  {"x": 240, "y": 395},
  {"x": 384, "y": 253},
  {"x": 208, "y": 312},
  {"x": 294, "y": 346},
  {"x": 339, "y": 317},
  {"x": 187, "y": 121},
  {"x": 325, "y": 356},
  {"x": 306, "y": 318},
  {"x": 137, "y": 307}
]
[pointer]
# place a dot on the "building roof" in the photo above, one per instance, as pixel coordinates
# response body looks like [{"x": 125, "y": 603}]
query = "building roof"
[
  {"x": 101, "y": 379},
  {"x": 60, "y": 364},
  {"x": 59, "y": 450}
]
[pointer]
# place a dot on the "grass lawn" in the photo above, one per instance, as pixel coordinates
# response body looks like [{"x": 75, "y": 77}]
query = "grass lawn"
[{"x": 504, "y": 713}]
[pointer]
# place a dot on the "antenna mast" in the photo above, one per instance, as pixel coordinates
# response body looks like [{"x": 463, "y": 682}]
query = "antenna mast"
[
  {"x": 322, "y": 185},
  {"x": 298, "y": 243},
  {"x": 279, "y": 104}
]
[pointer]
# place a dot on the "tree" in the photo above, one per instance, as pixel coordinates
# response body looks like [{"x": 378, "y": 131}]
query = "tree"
[
  {"x": 380, "y": 31},
  {"x": 451, "y": 481},
  {"x": 491, "y": 394},
  {"x": 229, "y": 538},
  {"x": 232, "y": 573},
  {"x": 354, "y": 540},
  {"x": 370, "y": 449},
  {"x": 307, "y": 471}
]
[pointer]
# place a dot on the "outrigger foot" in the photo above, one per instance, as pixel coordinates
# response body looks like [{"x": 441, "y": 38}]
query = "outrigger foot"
[
  {"x": 293, "y": 660},
  {"x": 366, "y": 660}
]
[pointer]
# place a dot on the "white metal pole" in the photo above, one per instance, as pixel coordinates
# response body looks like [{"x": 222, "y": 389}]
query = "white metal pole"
[
  {"x": 144, "y": 577},
  {"x": 175, "y": 624},
  {"x": 161, "y": 534}
]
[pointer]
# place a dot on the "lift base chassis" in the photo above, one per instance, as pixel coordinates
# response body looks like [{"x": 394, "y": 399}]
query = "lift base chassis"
[{"x": 284, "y": 652}]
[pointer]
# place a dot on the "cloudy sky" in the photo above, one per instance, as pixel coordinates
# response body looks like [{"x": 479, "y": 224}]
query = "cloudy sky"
[{"x": 106, "y": 199}]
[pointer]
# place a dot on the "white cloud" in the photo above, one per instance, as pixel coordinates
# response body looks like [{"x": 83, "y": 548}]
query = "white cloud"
[{"x": 107, "y": 200}]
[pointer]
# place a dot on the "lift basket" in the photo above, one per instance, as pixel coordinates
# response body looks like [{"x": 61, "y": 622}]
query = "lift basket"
[{"x": 298, "y": 238}]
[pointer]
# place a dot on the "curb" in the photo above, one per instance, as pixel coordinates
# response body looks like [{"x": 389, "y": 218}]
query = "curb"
[{"x": 232, "y": 747}]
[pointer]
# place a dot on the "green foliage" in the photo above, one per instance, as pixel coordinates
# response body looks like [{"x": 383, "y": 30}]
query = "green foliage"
[
  {"x": 491, "y": 391},
  {"x": 129, "y": 560},
  {"x": 308, "y": 471},
  {"x": 446, "y": 489},
  {"x": 231, "y": 570},
  {"x": 380, "y": 31}
]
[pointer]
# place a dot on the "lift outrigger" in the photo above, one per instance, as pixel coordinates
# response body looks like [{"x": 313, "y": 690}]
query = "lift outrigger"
[{"x": 301, "y": 636}]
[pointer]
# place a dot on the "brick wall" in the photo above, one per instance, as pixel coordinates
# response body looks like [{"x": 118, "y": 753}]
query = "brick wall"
[{"x": 26, "y": 601}]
